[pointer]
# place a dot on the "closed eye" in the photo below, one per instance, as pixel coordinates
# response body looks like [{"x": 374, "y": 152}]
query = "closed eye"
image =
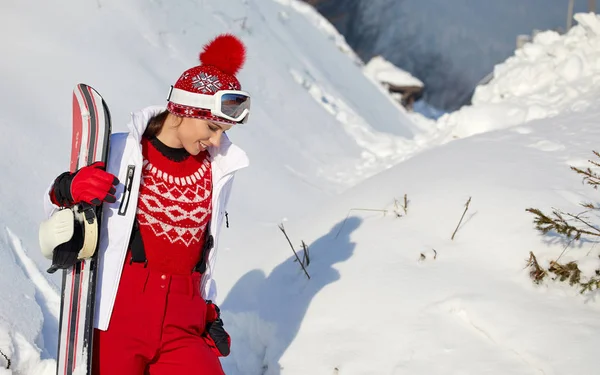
[{"x": 214, "y": 127}]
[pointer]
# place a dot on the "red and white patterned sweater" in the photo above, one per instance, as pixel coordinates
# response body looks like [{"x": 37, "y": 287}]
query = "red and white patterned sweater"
[{"x": 174, "y": 206}]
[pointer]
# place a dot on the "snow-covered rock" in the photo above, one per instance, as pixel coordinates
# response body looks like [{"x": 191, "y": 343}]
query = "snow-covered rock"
[{"x": 384, "y": 71}]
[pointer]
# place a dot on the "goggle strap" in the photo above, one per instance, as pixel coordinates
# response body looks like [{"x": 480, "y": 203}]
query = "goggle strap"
[{"x": 191, "y": 99}]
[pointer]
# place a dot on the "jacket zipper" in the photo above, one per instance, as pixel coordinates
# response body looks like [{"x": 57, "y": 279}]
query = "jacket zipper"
[
  {"x": 124, "y": 203},
  {"x": 217, "y": 207},
  {"x": 127, "y": 190}
]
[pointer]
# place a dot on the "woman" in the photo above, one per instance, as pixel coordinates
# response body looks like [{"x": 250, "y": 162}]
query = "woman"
[{"x": 165, "y": 189}]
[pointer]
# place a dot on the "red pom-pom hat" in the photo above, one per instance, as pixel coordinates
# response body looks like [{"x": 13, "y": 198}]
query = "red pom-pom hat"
[{"x": 220, "y": 60}]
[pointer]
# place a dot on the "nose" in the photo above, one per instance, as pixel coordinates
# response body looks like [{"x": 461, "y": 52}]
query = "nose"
[{"x": 215, "y": 139}]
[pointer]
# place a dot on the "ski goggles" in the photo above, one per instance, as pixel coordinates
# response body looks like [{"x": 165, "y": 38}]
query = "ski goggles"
[{"x": 232, "y": 105}]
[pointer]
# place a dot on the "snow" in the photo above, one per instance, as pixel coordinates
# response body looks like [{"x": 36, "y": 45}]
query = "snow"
[
  {"x": 552, "y": 75},
  {"x": 322, "y": 24},
  {"x": 384, "y": 71},
  {"x": 472, "y": 308},
  {"x": 332, "y": 156}
]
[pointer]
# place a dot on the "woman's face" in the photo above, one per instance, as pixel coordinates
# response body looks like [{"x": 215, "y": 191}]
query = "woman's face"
[{"x": 197, "y": 135}]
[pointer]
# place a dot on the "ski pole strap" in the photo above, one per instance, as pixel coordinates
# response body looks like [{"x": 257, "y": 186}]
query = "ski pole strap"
[
  {"x": 138, "y": 254},
  {"x": 136, "y": 245},
  {"x": 209, "y": 242}
]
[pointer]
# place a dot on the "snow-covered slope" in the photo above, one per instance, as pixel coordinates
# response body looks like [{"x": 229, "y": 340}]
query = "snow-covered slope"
[
  {"x": 398, "y": 295},
  {"x": 391, "y": 295},
  {"x": 318, "y": 127}
]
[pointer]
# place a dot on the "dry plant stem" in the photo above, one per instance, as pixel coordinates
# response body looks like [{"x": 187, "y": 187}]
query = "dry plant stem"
[
  {"x": 565, "y": 249},
  {"x": 396, "y": 208},
  {"x": 536, "y": 272},
  {"x": 405, "y": 204},
  {"x": 357, "y": 209},
  {"x": 243, "y": 23},
  {"x": 461, "y": 218},
  {"x": 7, "y": 360},
  {"x": 305, "y": 257},
  {"x": 292, "y": 246},
  {"x": 592, "y": 248}
]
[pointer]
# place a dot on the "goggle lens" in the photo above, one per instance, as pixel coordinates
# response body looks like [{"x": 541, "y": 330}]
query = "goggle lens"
[{"x": 234, "y": 105}]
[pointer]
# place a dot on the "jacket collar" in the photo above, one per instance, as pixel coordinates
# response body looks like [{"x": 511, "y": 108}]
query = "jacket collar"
[{"x": 227, "y": 157}]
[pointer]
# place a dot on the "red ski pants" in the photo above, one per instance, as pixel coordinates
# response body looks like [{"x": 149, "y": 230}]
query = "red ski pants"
[{"x": 155, "y": 327}]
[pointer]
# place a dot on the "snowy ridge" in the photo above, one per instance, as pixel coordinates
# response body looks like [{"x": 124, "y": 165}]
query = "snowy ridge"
[
  {"x": 322, "y": 24},
  {"x": 551, "y": 75},
  {"x": 380, "y": 150}
]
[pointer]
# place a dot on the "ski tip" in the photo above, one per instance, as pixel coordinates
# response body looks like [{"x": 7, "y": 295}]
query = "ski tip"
[{"x": 85, "y": 86}]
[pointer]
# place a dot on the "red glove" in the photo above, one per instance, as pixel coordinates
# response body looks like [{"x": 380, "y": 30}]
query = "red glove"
[
  {"x": 214, "y": 334},
  {"x": 90, "y": 184}
]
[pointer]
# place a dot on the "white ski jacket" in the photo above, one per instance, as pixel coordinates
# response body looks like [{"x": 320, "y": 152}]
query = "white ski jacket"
[{"x": 125, "y": 162}]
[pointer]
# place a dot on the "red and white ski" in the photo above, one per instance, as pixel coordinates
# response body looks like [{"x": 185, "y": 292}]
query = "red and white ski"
[{"x": 90, "y": 143}]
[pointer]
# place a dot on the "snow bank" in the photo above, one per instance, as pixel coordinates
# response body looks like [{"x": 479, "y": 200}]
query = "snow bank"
[
  {"x": 399, "y": 296},
  {"x": 28, "y": 312},
  {"x": 551, "y": 75}
]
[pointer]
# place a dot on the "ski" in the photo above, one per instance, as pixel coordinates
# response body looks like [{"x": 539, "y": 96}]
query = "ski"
[{"x": 90, "y": 143}]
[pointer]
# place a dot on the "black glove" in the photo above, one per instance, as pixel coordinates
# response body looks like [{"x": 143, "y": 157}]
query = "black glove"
[{"x": 214, "y": 334}]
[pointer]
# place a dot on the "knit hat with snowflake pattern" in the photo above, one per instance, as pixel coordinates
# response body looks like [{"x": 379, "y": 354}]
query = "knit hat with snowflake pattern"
[{"x": 220, "y": 60}]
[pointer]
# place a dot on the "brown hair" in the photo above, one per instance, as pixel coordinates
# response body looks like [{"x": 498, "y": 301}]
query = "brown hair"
[{"x": 156, "y": 123}]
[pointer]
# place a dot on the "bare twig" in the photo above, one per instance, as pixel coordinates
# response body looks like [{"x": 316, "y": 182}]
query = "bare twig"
[
  {"x": 292, "y": 246},
  {"x": 578, "y": 218},
  {"x": 397, "y": 208},
  {"x": 305, "y": 255},
  {"x": 434, "y": 254},
  {"x": 565, "y": 249},
  {"x": 404, "y": 206},
  {"x": 461, "y": 218},
  {"x": 357, "y": 209},
  {"x": 592, "y": 248},
  {"x": 243, "y": 24},
  {"x": 7, "y": 360}
]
